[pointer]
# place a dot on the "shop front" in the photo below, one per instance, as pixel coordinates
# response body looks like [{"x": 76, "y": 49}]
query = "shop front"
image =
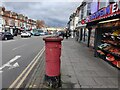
[
  {"x": 108, "y": 41},
  {"x": 86, "y": 35},
  {"x": 80, "y": 33},
  {"x": 106, "y": 34},
  {"x": 91, "y": 28}
]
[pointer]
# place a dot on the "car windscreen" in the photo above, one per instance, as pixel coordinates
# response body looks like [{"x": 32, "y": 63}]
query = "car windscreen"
[
  {"x": 24, "y": 32},
  {"x": 7, "y": 33},
  {"x": 40, "y": 31}
]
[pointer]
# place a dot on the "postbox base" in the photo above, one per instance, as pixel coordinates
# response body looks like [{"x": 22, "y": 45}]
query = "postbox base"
[{"x": 53, "y": 82}]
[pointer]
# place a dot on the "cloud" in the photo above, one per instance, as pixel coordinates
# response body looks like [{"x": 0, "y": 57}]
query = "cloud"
[{"x": 53, "y": 13}]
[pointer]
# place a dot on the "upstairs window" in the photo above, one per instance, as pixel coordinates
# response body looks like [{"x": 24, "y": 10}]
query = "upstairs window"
[
  {"x": 112, "y": 1},
  {"x": 82, "y": 11},
  {"x": 102, "y": 4}
]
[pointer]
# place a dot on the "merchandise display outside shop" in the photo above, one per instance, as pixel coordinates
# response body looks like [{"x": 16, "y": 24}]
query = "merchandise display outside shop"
[{"x": 109, "y": 47}]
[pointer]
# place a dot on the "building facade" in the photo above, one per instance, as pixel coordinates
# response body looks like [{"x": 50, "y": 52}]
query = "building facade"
[
  {"x": 86, "y": 8},
  {"x": 82, "y": 31},
  {"x": 14, "y": 22},
  {"x": 72, "y": 23},
  {"x": 99, "y": 28}
]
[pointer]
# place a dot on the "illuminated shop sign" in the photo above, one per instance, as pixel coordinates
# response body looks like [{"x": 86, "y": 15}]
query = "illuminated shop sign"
[{"x": 104, "y": 12}]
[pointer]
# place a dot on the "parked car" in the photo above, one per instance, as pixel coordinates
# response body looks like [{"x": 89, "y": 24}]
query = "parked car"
[
  {"x": 25, "y": 34},
  {"x": 42, "y": 33},
  {"x": 2, "y": 36},
  {"x": 5, "y": 36},
  {"x": 36, "y": 34},
  {"x": 60, "y": 33}
]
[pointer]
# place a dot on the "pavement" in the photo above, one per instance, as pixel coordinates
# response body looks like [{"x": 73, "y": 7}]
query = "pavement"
[{"x": 79, "y": 69}]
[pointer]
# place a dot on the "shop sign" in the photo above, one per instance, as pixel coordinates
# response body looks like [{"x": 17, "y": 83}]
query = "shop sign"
[
  {"x": 104, "y": 12},
  {"x": 100, "y": 13},
  {"x": 83, "y": 22},
  {"x": 7, "y": 26},
  {"x": 115, "y": 7}
]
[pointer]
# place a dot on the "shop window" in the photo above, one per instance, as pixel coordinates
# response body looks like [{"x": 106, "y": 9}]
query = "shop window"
[
  {"x": 85, "y": 35},
  {"x": 92, "y": 37},
  {"x": 89, "y": 9},
  {"x": 85, "y": 11},
  {"x": 119, "y": 4},
  {"x": 88, "y": 12},
  {"x": 82, "y": 13},
  {"x": 102, "y": 4},
  {"x": 94, "y": 7},
  {"x": 112, "y": 1}
]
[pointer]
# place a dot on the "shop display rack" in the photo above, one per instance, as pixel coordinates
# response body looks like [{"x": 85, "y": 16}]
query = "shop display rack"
[
  {"x": 109, "y": 48},
  {"x": 108, "y": 52},
  {"x": 113, "y": 44},
  {"x": 103, "y": 57}
]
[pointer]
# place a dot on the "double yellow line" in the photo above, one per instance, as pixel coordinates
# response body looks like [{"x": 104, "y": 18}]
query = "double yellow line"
[{"x": 21, "y": 78}]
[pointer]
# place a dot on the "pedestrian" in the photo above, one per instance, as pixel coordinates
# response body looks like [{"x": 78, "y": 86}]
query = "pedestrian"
[
  {"x": 66, "y": 34},
  {"x": 61, "y": 34}
]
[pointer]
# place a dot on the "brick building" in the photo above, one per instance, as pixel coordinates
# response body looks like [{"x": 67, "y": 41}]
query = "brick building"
[{"x": 14, "y": 22}]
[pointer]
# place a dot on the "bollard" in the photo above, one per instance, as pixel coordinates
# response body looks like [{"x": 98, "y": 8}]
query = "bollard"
[{"x": 52, "y": 61}]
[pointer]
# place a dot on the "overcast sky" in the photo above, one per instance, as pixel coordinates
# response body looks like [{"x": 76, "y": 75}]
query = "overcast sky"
[{"x": 53, "y": 13}]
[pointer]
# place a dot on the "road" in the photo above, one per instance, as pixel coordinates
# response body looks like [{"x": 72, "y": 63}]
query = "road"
[{"x": 16, "y": 56}]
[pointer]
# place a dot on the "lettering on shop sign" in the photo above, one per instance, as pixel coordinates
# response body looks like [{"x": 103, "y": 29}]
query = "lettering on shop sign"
[
  {"x": 105, "y": 12},
  {"x": 114, "y": 7},
  {"x": 100, "y": 13}
]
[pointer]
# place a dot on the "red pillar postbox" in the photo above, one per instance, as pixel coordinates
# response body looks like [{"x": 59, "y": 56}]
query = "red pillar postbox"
[{"x": 52, "y": 59}]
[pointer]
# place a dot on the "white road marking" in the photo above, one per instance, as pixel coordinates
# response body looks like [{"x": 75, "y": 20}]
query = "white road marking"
[
  {"x": 27, "y": 73},
  {"x": 14, "y": 65},
  {"x": 26, "y": 70},
  {"x": 15, "y": 58},
  {"x": 8, "y": 64},
  {"x": 18, "y": 47}
]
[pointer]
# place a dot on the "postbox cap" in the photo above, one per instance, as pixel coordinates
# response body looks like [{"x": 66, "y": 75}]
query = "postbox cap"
[{"x": 52, "y": 39}]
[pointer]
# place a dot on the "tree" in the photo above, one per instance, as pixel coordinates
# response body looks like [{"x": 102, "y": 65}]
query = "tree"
[{"x": 40, "y": 24}]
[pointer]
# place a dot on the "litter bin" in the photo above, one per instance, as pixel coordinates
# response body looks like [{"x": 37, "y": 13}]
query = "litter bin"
[{"x": 52, "y": 61}]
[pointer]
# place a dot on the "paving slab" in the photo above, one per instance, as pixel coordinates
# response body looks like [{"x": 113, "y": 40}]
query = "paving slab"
[{"x": 90, "y": 72}]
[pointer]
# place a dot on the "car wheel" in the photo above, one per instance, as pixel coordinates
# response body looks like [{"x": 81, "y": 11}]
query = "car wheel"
[{"x": 6, "y": 38}]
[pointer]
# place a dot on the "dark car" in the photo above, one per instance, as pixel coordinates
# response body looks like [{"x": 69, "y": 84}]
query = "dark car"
[
  {"x": 5, "y": 36},
  {"x": 61, "y": 33}
]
